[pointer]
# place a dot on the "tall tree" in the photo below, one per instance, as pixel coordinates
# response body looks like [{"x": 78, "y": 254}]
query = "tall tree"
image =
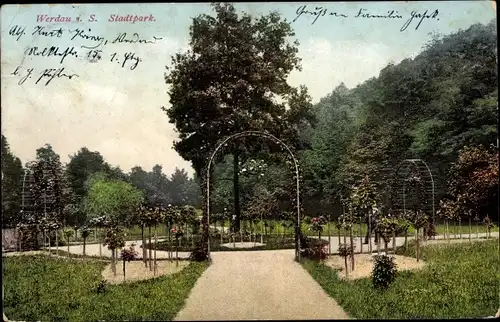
[
  {"x": 48, "y": 186},
  {"x": 118, "y": 200},
  {"x": 81, "y": 166},
  {"x": 12, "y": 177},
  {"x": 178, "y": 187},
  {"x": 229, "y": 82}
]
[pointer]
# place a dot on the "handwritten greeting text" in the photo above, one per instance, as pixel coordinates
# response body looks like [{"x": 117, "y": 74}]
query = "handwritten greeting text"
[
  {"x": 416, "y": 18},
  {"x": 77, "y": 45}
]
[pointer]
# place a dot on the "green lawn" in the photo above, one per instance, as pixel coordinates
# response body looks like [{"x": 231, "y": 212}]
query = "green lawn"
[
  {"x": 49, "y": 289},
  {"x": 460, "y": 281}
]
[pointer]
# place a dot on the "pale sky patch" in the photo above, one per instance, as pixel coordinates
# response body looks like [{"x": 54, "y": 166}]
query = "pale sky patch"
[{"x": 117, "y": 111}]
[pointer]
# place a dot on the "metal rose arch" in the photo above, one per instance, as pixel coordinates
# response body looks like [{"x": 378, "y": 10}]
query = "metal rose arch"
[
  {"x": 403, "y": 170},
  {"x": 275, "y": 140}
]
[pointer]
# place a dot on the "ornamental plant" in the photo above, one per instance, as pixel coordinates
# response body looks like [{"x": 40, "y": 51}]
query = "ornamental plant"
[
  {"x": 317, "y": 224},
  {"x": 345, "y": 251},
  {"x": 68, "y": 233},
  {"x": 127, "y": 255},
  {"x": 85, "y": 232},
  {"x": 384, "y": 271},
  {"x": 114, "y": 239}
]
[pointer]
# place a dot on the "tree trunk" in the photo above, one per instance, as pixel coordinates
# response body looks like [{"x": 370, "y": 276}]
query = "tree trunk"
[
  {"x": 69, "y": 254},
  {"x": 169, "y": 242},
  {"x": 446, "y": 235},
  {"x": 470, "y": 229},
  {"x": 351, "y": 237},
  {"x": 144, "y": 250},
  {"x": 417, "y": 248},
  {"x": 57, "y": 241},
  {"x": 84, "y": 245},
  {"x": 150, "y": 251},
  {"x": 477, "y": 230},
  {"x": 329, "y": 238},
  {"x": 236, "y": 190},
  {"x": 406, "y": 239},
  {"x": 123, "y": 270},
  {"x": 394, "y": 242},
  {"x": 177, "y": 256},
  {"x": 156, "y": 241},
  {"x": 460, "y": 228},
  {"x": 369, "y": 232},
  {"x": 345, "y": 258},
  {"x": 340, "y": 236},
  {"x": 361, "y": 236},
  {"x": 455, "y": 229},
  {"x": 113, "y": 261}
]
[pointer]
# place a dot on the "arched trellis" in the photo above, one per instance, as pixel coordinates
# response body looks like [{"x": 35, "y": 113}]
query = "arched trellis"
[
  {"x": 28, "y": 197},
  {"x": 275, "y": 140},
  {"x": 403, "y": 170}
]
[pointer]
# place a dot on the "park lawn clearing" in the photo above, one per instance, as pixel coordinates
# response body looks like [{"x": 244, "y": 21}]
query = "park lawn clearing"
[
  {"x": 363, "y": 265},
  {"x": 48, "y": 289},
  {"x": 457, "y": 281},
  {"x": 136, "y": 271}
]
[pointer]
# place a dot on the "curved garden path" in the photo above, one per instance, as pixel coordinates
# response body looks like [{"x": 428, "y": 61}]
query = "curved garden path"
[{"x": 258, "y": 285}]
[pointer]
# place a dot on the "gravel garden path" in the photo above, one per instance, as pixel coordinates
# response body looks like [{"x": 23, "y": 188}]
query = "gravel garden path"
[{"x": 260, "y": 285}]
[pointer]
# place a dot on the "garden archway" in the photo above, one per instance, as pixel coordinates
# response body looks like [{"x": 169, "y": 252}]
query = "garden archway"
[
  {"x": 283, "y": 146},
  {"x": 403, "y": 170}
]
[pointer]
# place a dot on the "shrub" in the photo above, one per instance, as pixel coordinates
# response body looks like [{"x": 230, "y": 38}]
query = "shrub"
[
  {"x": 384, "y": 271},
  {"x": 314, "y": 249},
  {"x": 199, "y": 253},
  {"x": 100, "y": 287}
]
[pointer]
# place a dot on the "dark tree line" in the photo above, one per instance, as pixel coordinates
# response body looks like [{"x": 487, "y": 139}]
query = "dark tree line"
[{"x": 59, "y": 190}]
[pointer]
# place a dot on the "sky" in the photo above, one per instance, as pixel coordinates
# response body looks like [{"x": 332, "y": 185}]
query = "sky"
[{"x": 115, "y": 110}]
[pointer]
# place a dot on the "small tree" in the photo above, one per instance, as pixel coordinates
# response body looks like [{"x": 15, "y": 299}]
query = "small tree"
[
  {"x": 418, "y": 220},
  {"x": 128, "y": 255},
  {"x": 387, "y": 228},
  {"x": 448, "y": 211},
  {"x": 317, "y": 224},
  {"x": 114, "y": 239},
  {"x": 68, "y": 233},
  {"x": 489, "y": 225},
  {"x": 85, "y": 232},
  {"x": 346, "y": 250},
  {"x": 363, "y": 199}
]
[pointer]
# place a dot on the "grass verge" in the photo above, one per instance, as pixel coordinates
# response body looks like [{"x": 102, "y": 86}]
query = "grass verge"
[
  {"x": 51, "y": 289},
  {"x": 459, "y": 281}
]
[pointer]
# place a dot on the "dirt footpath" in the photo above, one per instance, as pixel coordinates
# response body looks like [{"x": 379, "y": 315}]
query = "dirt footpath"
[{"x": 264, "y": 285}]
